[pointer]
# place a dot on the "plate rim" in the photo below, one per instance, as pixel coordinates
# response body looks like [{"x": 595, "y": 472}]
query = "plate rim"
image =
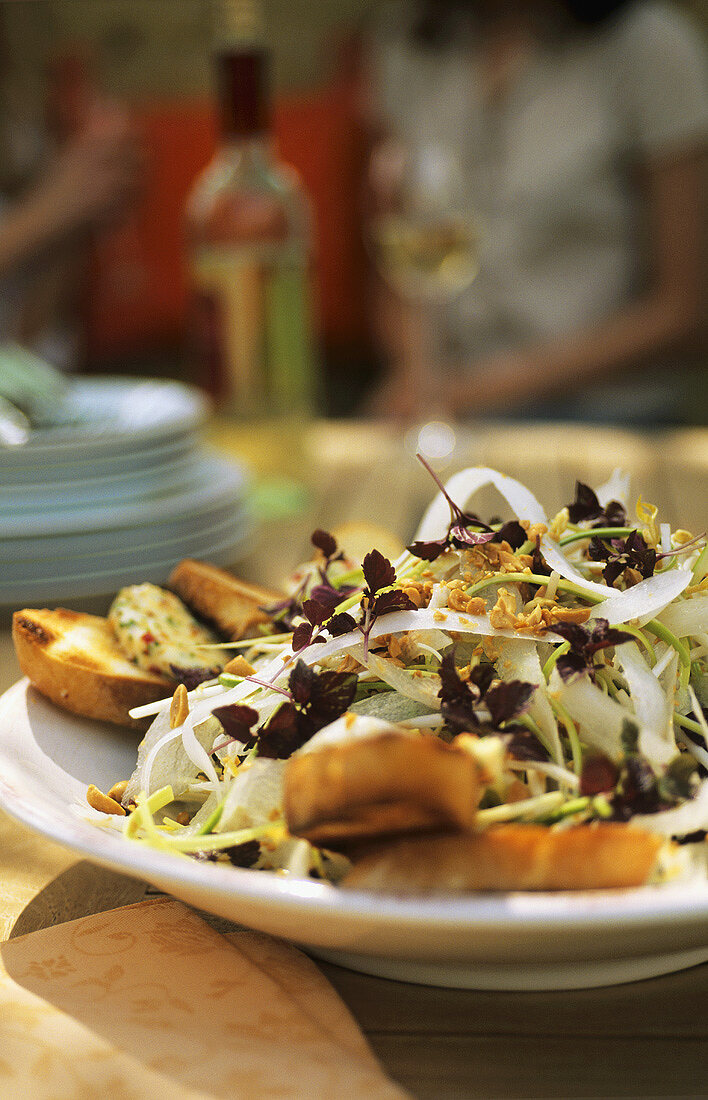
[{"x": 679, "y": 904}]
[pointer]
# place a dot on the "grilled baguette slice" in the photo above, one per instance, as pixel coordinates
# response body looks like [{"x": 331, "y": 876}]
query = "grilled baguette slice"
[
  {"x": 605, "y": 856},
  {"x": 379, "y": 786},
  {"x": 74, "y": 659},
  {"x": 232, "y": 605}
]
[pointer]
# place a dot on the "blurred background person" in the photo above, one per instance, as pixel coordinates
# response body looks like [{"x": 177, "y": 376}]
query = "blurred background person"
[
  {"x": 75, "y": 177},
  {"x": 45, "y": 233},
  {"x": 578, "y": 131},
  {"x": 564, "y": 177}
]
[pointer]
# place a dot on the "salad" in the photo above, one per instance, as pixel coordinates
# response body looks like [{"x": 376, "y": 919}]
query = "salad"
[{"x": 535, "y": 683}]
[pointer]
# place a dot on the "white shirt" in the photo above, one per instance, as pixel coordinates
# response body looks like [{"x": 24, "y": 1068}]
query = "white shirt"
[{"x": 550, "y": 170}]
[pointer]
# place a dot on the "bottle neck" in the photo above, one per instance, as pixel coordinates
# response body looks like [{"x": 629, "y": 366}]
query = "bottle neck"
[{"x": 242, "y": 76}]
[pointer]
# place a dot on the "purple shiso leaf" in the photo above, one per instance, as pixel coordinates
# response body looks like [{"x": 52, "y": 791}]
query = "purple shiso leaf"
[
  {"x": 457, "y": 699},
  {"x": 598, "y": 775},
  {"x": 586, "y": 506},
  {"x": 513, "y": 533},
  {"x": 395, "y": 600},
  {"x": 318, "y": 699},
  {"x": 237, "y": 721},
  {"x": 243, "y": 855},
  {"x": 329, "y": 596},
  {"x": 524, "y": 745},
  {"x": 538, "y": 562},
  {"x": 458, "y": 533},
  {"x": 343, "y": 623},
  {"x": 193, "y": 677},
  {"x": 378, "y": 572},
  {"x": 508, "y": 700},
  {"x": 280, "y": 737},
  {"x": 428, "y": 551},
  {"x": 619, "y": 555},
  {"x": 584, "y": 644},
  {"x": 471, "y": 538},
  {"x": 324, "y": 542},
  {"x": 571, "y": 665},
  {"x": 315, "y": 612}
]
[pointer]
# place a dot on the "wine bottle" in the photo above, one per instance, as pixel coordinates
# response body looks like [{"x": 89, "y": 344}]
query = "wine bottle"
[{"x": 249, "y": 244}]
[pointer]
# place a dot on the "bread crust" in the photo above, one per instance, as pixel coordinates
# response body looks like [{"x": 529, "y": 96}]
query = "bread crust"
[
  {"x": 603, "y": 856},
  {"x": 74, "y": 659},
  {"x": 379, "y": 786},
  {"x": 233, "y": 606}
]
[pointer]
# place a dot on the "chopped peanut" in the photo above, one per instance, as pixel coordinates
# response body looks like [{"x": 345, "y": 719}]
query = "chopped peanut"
[
  {"x": 239, "y": 666},
  {"x": 418, "y": 592},
  {"x": 179, "y": 707},
  {"x": 534, "y": 530},
  {"x": 118, "y": 790},
  {"x": 567, "y": 615},
  {"x": 97, "y": 800},
  {"x": 457, "y": 600},
  {"x": 503, "y": 614}
]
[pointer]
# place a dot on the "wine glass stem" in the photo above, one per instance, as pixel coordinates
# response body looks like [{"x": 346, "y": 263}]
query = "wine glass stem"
[{"x": 435, "y": 362}]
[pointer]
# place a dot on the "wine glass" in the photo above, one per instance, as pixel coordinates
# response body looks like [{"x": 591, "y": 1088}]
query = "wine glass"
[{"x": 425, "y": 241}]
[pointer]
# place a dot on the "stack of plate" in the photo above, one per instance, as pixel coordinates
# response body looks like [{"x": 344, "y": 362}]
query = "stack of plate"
[{"x": 117, "y": 495}]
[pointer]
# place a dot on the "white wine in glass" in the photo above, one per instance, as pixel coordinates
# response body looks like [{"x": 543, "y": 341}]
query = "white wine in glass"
[
  {"x": 426, "y": 258},
  {"x": 426, "y": 242}
]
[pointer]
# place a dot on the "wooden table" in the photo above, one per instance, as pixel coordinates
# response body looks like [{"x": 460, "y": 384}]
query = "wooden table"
[{"x": 644, "y": 1040}]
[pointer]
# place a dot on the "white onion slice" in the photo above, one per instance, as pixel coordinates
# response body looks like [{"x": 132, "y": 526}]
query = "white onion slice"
[
  {"x": 426, "y": 618},
  {"x": 145, "y": 771},
  {"x": 599, "y": 717},
  {"x": 557, "y": 561},
  {"x": 687, "y": 818},
  {"x": 688, "y": 617},
  {"x": 645, "y": 600},
  {"x": 423, "y": 689},
  {"x": 651, "y": 706},
  {"x": 463, "y": 486},
  {"x": 615, "y": 488},
  {"x": 519, "y": 660},
  {"x": 665, "y": 531}
]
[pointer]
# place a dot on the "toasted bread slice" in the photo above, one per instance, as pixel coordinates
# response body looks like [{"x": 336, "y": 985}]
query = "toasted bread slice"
[
  {"x": 511, "y": 857},
  {"x": 233, "y": 606},
  {"x": 379, "y": 786},
  {"x": 74, "y": 659}
]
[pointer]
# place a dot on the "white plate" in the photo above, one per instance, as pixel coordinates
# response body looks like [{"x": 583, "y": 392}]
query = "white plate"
[
  {"x": 131, "y": 547},
  {"x": 113, "y": 414},
  {"x": 73, "y": 466},
  {"x": 542, "y": 941},
  {"x": 50, "y": 495},
  {"x": 210, "y": 483},
  {"x": 224, "y": 543}
]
